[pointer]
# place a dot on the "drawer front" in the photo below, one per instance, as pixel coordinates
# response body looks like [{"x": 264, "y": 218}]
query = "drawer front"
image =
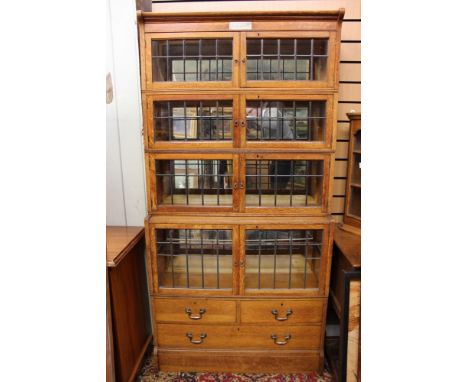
[
  {"x": 240, "y": 361},
  {"x": 226, "y": 337},
  {"x": 194, "y": 311},
  {"x": 285, "y": 312}
]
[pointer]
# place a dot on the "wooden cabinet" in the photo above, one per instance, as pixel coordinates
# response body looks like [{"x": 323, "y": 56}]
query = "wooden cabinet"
[
  {"x": 344, "y": 352},
  {"x": 240, "y": 125},
  {"x": 128, "y": 314},
  {"x": 352, "y": 214}
]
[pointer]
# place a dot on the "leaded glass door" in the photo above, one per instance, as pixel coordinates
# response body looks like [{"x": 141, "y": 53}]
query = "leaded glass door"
[
  {"x": 284, "y": 259},
  {"x": 288, "y": 59},
  {"x": 191, "y": 259},
  {"x": 286, "y": 121},
  {"x": 192, "y": 182},
  {"x": 284, "y": 183},
  {"x": 192, "y": 60},
  {"x": 191, "y": 121}
]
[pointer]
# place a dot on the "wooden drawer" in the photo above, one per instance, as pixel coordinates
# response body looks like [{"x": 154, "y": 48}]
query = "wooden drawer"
[
  {"x": 240, "y": 361},
  {"x": 202, "y": 310},
  {"x": 300, "y": 311},
  {"x": 228, "y": 337}
]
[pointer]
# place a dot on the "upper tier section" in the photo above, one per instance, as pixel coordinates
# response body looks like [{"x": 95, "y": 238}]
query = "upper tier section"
[{"x": 239, "y": 51}]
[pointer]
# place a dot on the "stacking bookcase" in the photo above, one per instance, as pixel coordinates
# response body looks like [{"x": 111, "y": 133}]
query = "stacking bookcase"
[{"x": 240, "y": 134}]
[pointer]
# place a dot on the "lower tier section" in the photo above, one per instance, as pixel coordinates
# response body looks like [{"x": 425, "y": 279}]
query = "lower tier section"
[{"x": 240, "y": 361}]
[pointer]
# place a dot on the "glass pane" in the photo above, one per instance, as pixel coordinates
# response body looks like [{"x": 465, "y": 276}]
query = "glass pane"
[
  {"x": 286, "y": 120},
  {"x": 357, "y": 142},
  {"x": 284, "y": 183},
  {"x": 356, "y": 169},
  {"x": 192, "y": 60},
  {"x": 192, "y": 120},
  {"x": 355, "y": 202},
  {"x": 283, "y": 259},
  {"x": 194, "y": 182},
  {"x": 287, "y": 59},
  {"x": 194, "y": 258}
]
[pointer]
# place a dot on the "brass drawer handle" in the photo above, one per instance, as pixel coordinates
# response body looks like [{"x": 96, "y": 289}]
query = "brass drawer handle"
[
  {"x": 241, "y": 185},
  {"x": 201, "y": 312},
  {"x": 196, "y": 342},
  {"x": 275, "y": 313},
  {"x": 286, "y": 339}
]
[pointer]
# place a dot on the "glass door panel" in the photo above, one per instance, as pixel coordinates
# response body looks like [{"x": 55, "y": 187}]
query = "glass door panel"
[
  {"x": 354, "y": 208},
  {"x": 180, "y": 121},
  {"x": 194, "y": 258},
  {"x": 193, "y": 120},
  {"x": 185, "y": 59},
  {"x": 195, "y": 182},
  {"x": 291, "y": 121},
  {"x": 283, "y": 259},
  {"x": 276, "y": 182},
  {"x": 286, "y": 59},
  {"x": 192, "y": 60}
]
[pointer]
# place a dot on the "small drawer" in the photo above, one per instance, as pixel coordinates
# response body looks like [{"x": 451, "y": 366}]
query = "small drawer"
[
  {"x": 190, "y": 310},
  {"x": 246, "y": 337},
  {"x": 282, "y": 311}
]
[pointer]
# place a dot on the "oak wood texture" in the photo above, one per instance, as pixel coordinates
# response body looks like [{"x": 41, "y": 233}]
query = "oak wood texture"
[
  {"x": 290, "y": 337},
  {"x": 347, "y": 257},
  {"x": 128, "y": 300},
  {"x": 299, "y": 361},
  {"x": 345, "y": 297},
  {"x": 119, "y": 241},
  {"x": 215, "y": 310},
  {"x": 349, "y": 244},
  {"x": 237, "y": 322},
  {"x": 303, "y": 311}
]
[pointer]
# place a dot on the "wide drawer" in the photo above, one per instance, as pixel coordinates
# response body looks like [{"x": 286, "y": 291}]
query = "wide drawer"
[
  {"x": 282, "y": 311},
  {"x": 194, "y": 310},
  {"x": 295, "y": 361},
  {"x": 234, "y": 336}
]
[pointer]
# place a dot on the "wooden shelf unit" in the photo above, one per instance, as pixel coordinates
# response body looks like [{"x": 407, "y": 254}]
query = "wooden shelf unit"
[
  {"x": 240, "y": 135},
  {"x": 352, "y": 210}
]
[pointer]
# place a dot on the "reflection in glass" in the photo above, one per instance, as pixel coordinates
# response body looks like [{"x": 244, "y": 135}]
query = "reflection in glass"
[
  {"x": 194, "y": 258},
  {"x": 284, "y": 183},
  {"x": 287, "y": 59},
  {"x": 192, "y": 120},
  {"x": 194, "y": 182},
  {"x": 286, "y": 120},
  {"x": 192, "y": 60},
  {"x": 283, "y": 259},
  {"x": 355, "y": 202}
]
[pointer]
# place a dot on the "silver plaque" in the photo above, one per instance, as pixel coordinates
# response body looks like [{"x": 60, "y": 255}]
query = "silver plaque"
[{"x": 240, "y": 25}]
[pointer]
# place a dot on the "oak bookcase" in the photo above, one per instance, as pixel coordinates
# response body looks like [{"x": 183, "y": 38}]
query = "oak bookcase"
[{"x": 239, "y": 130}]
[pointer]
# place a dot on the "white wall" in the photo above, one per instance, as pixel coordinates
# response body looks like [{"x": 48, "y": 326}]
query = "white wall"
[{"x": 126, "y": 199}]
